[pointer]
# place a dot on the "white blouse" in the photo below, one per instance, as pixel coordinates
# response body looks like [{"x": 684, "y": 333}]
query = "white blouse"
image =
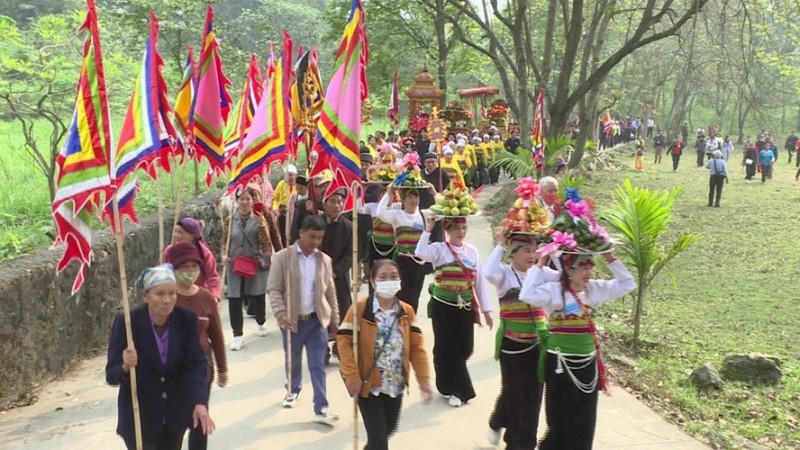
[
  {"x": 438, "y": 254},
  {"x": 397, "y": 217},
  {"x": 537, "y": 291},
  {"x": 504, "y": 277}
]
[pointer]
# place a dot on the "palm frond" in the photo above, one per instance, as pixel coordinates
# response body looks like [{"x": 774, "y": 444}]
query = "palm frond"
[{"x": 518, "y": 163}]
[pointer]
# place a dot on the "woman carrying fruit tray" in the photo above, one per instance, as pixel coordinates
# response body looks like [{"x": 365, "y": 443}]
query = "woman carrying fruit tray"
[
  {"x": 517, "y": 342},
  {"x": 458, "y": 295}
]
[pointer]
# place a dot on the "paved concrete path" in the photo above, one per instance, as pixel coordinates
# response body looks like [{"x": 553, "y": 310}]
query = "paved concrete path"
[{"x": 79, "y": 411}]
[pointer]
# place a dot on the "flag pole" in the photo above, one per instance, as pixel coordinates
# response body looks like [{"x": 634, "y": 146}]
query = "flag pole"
[
  {"x": 226, "y": 244},
  {"x": 354, "y": 188},
  {"x": 161, "y": 233},
  {"x": 288, "y": 280},
  {"x": 126, "y": 311},
  {"x": 178, "y": 200}
]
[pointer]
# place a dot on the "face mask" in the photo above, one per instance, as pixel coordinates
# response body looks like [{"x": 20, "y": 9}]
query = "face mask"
[
  {"x": 388, "y": 288},
  {"x": 186, "y": 278}
]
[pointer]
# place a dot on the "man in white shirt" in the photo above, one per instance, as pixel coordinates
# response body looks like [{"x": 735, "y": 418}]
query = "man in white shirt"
[{"x": 303, "y": 300}]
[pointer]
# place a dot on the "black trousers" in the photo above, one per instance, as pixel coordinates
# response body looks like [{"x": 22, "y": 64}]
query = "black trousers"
[
  {"x": 412, "y": 279},
  {"x": 517, "y": 407},
  {"x": 197, "y": 439},
  {"x": 380, "y": 414},
  {"x": 700, "y": 158},
  {"x": 167, "y": 440},
  {"x": 571, "y": 414},
  {"x": 675, "y": 160},
  {"x": 343, "y": 295},
  {"x": 453, "y": 344},
  {"x": 649, "y": 132},
  {"x": 259, "y": 302},
  {"x": 750, "y": 171},
  {"x": 766, "y": 173},
  {"x": 715, "y": 183}
]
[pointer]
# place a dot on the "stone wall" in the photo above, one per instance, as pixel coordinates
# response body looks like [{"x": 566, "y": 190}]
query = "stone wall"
[{"x": 44, "y": 330}]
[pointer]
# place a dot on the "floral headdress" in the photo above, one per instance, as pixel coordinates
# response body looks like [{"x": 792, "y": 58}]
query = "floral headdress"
[{"x": 576, "y": 230}]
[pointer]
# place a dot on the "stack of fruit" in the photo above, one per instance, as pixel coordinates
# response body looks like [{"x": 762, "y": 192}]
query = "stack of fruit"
[
  {"x": 576, "y": 229},
  {"x": 410, "y": 176},
  {"x": 455, "y": 203},
  {"x": 530, "y": 219}
]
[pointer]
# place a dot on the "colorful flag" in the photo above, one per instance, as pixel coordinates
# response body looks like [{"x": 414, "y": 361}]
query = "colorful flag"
[
  {"x": 393, "y": 113},
  {"x": 339, "y": 125},
  {"x": 147, "y": 133},
  {"x": 148, "y": 136},
  {"x": 307, "y": 93},
  {"x": 537, "y": 134},
  {"x": 83, "y": 163},
  {"x": 183, "y": 105},
  {"x": 267, "y": 140},
  {"x": 245, "y": 109},
  {"x": 211, "y": 104}
]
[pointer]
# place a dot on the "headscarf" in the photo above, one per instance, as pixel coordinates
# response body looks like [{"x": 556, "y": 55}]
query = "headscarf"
[
  {"x": 153, "y": 276},
  {"x": 193, "y": 227},
  {"x": 449, "y": 222},
  {"x": 182, "y": 252},
  {"x": 517, "y": 241},
  {"x": 574, "y": 261}
]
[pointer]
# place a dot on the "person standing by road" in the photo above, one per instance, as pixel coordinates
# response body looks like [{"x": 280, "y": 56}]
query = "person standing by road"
[{"x": 308, "y": 314}]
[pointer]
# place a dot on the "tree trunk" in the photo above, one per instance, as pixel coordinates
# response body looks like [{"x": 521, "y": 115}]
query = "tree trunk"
[{"x": 637, "y": 318}]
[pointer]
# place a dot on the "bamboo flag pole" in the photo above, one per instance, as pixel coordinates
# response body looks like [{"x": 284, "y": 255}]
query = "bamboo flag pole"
[
  {"x": 160, "y": 222},
  {"x": 178, "y": 201},
  {"x": 126, "y": 311},
  {"x": 354, "y": 191},
  {"x": 226, "y": 244},
  {"x": 288, "y": 281}
]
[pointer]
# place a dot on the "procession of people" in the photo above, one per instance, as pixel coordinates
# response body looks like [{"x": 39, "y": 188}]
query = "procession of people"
[{"x": 417, "y": 225}]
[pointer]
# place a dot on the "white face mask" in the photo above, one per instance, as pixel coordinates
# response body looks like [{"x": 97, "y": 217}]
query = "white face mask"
[{"x": 387, "y": 288}]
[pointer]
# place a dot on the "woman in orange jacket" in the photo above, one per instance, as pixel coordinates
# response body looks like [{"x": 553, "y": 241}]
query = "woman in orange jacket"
[{"x": 389, "y": 342}]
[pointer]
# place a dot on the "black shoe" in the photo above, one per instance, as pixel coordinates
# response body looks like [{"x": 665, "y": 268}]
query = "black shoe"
[
  {"x": 716, "y": 206},
  {"x": 327, "y": 357}
]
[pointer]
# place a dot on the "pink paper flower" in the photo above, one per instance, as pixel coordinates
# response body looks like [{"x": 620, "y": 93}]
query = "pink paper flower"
[
  {"x": 411, "y": 159},
  {"x": 561, "y": 241},
  {"x": 599, "y": 230},
  {"x": 579, "y": 210},
  {"x": 527, "y": 189}
]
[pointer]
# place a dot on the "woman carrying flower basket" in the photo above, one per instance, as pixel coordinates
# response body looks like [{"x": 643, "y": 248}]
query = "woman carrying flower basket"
[
  {"x": 574, "y": 370},
  {"x": 408, "y": 224}
]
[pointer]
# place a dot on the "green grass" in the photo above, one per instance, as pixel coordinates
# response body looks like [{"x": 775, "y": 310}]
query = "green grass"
[{"x": 730, "y": 293}]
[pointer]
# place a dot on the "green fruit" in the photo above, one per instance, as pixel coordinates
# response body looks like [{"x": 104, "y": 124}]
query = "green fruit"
[
  {"x": 473, "y": 208},
  {"x": 464, "y": 211},
  {"x": 463, "y": 202},
  {"x": 454, "y": 211},
  {"x": 436, "y": 209}
]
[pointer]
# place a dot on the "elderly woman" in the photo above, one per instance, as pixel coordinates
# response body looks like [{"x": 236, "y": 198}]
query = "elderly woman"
[
  {"x": 390, "y": 343},
  {"x": 252, "y": 237},
  {"x": 408, "y": 224},
  {"x": 188, "y": 267},
  {"x": 549, "y": 196},
  {"x": 190, "y": 230},
  {"x": 574, "y": 370},
  {"x": 170, "y": 378},
  {"x": 717, "y": 176},
  {"x": 458, "y": 293}
]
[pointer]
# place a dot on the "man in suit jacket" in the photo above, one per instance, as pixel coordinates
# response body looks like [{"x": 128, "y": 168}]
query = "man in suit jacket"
[
  {"x": 171, "y": 368},
  {"x": 306, "y": 275}
]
